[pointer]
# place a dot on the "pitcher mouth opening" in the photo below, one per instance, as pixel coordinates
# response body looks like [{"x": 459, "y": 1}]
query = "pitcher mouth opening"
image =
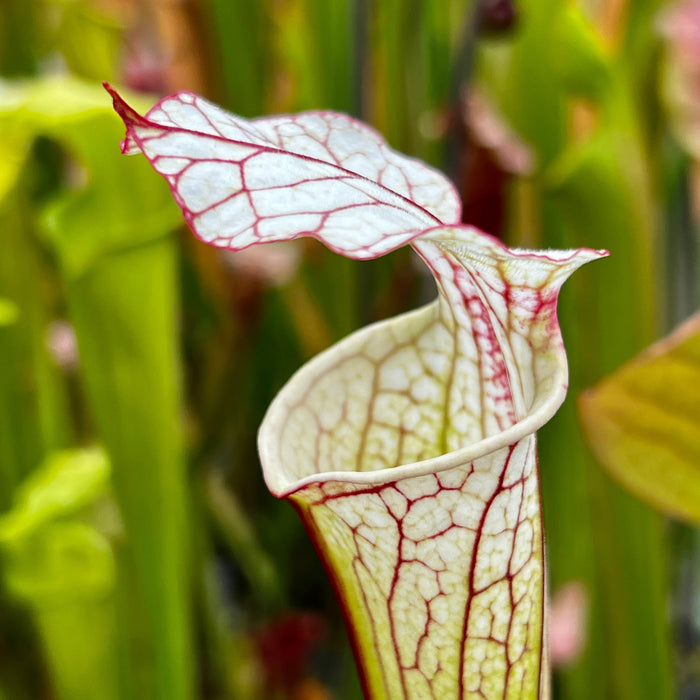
[{"x": 550, "y": 393}]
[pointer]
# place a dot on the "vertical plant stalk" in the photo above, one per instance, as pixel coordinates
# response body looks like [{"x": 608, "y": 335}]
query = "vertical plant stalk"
[
  {"x": 595, "y": 188},
  {"x": 408, "y": 449},
  {"x": 62, "y": 569},
  {"x": 33, "y": 410},
  {"x": 126, "y": 334},
  {"x": 121, "y": 290}
]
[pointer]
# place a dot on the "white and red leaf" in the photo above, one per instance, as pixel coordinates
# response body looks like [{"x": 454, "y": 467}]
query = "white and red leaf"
[{"x": 316, "y": 174}]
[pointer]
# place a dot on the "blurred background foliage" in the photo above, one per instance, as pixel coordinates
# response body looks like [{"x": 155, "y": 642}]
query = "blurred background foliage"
[{"x": 157, "y": 565}]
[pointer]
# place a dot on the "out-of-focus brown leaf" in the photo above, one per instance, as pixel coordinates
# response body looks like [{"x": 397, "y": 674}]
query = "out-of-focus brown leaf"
[
  {"x": 490, "y": 154},
  {"x": 285, "y": 647}
]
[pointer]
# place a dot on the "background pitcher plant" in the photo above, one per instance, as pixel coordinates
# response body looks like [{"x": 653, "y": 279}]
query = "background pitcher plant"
[{"x": 408, "y": 449}]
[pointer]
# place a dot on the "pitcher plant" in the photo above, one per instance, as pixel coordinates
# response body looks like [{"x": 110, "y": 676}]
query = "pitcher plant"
[{"x": 408, "y": 448}]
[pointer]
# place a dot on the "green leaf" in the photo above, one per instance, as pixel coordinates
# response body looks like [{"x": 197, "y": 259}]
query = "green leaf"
[
  {"x": 643, "y": 423},
  {"x": 124, "y": 309},
  {"x": 65, "y": 573},
  {"x": 64, "y": 570},
  {"x": 15, "y": 140},
  {"x": 77, "y": 116},
  {"x": 66, "y": 560},
  {"x": 34, "y": 416},
  {"x": 582, "y": 64},
  {"x": 111, "y": 231},
  {"x": 66, "y": 482},
  {"x": 9, "y": 312},
  {"x": 89, "y": 40}
]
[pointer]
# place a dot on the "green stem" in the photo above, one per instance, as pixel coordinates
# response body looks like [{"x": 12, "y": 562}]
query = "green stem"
[{"x": 125, "y": 313}]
